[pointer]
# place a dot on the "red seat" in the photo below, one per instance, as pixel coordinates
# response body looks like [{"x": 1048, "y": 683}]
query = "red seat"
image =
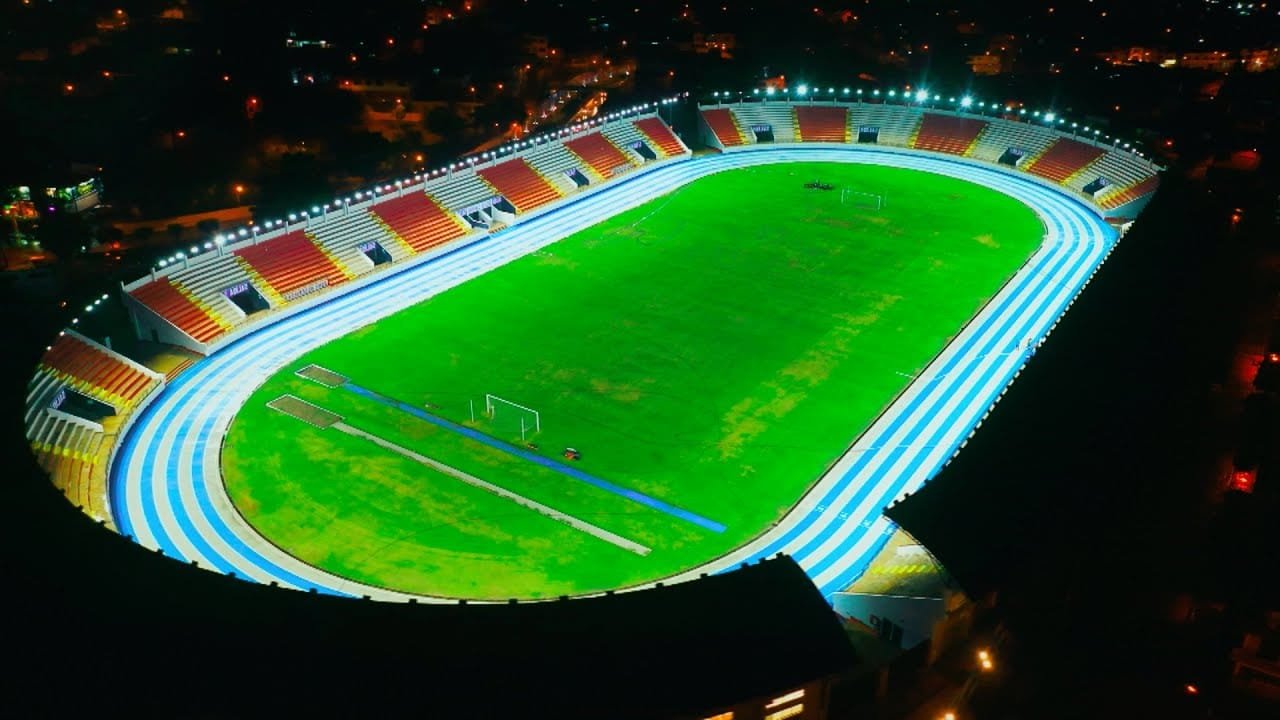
[
  {"x": 660, "y": 135},
  {"x": 721, "y": 122},
  {"x": 595, "y": 150},
  {"x": 292, "y": 261},
  {"x": 1131, "y": 193},
  {"x": 98, "y": 368},
  {"x": 165, "y": 300},
  {"x": 418, "y": 220},
  {"x": 520, "y": 184},
  {"x": 948, "y": 133},
  {"x": 822, "y": 123},
  {"x": 1063, "y": 159}
]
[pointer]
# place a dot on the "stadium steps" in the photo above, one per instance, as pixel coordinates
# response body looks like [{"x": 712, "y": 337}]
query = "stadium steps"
[
  {"x": 724, "y": 126},
  {"x": 973, "y": 145},
  {"x": 949, "y": 134},
  {"x": 223, "y": 321},
  {"x": 822, "y": 123},
  {"x": 338, "y": 262},
  {"x": 272, "y": 297},
  {"x": 598, "y": 153},
  {"x": 293, "y": 265},
  {"x": 418, "y": 222},
  {"x": 395, "y": 236},
  {"x": 1129, "y": 194},
  {"x": 520, "y": 184},
  {"x": 97, "y": 372},
  {"x": 661, "y": 137},
  {"x": 167, "y": 299},
  {"x": 1064, "y": 160}
]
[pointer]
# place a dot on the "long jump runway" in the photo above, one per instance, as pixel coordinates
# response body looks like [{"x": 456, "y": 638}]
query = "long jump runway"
[{"x": 166, "y": 484}]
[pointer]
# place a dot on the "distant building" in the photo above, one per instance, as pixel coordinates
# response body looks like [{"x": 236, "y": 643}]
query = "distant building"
[
  {"x": 986, "y": 64},
  {"x": 1213, "y": 60}
]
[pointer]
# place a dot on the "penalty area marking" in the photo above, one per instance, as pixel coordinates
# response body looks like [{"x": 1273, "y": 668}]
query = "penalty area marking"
[
  {"x": 571, "y": 521},
  {"x": 319, "y": 417},
  {"x": 300, "y": 409},
  {"x": 317, "y": 374}
]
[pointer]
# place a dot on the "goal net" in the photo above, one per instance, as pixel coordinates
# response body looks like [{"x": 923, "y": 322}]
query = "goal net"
[{"x": 511, "y": 418}]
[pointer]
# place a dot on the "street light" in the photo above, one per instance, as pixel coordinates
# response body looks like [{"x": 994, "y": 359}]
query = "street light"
[{"x": 239, "y": 190}]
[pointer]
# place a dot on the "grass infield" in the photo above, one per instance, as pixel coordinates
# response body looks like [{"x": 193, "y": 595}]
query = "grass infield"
[{"x": 716, "y": 349}]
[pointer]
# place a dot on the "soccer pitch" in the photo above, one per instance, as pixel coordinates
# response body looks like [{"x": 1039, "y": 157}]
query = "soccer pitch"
[{"x": 709, "y": 353}]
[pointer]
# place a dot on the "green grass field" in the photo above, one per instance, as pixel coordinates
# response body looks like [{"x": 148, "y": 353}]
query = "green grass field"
[{"x": 716, "y": 348}]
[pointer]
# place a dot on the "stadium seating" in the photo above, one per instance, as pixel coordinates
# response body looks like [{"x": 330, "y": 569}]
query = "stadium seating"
[
  {"x": 948, "y": 133},
  {"x": 724, "y": 126},
  {"x": 553, "y": 162},
  {"x": 897, "y": 123},
  {"x": 341, "y": 237},
  {"x": 291, "y": 265},
  {"x": 776, "y": 115},
  {"x": 1119, "y": 168},
  {"x": 1000, "y": 136},
  {"x": 602, "y": 156},
  {"x": 180, "y": 308},
  {"x": 206, "y": 278},
  {"x": 661, "y": 137},
  {"x": 459, "y": 191},
  {"x": 1064, "y": 159},
  {"x": 1130, "y": 193},
  {"x": 98, "y": 372},
  {"x": 822, "y": 123},
  {"x": 625, "y": 135},
  {"x": 418, "y": 222},
  {"x": 520, "y": 184}
]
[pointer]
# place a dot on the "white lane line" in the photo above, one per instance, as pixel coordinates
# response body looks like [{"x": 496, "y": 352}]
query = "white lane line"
[{"x": 545, "y": 510}]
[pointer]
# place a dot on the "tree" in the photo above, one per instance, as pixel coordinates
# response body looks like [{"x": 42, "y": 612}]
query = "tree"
[
  {"x": 175, "y": 232},
  {"x": 444, "y": 121}
]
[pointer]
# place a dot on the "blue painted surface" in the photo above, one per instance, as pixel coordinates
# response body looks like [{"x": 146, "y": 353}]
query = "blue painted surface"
[{"x": 473, "y": 434}]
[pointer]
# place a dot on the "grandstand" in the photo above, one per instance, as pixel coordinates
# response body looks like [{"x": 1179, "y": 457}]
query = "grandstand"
[
  {"x": 822, "y": 123},
  {"x": 660, "y": 136},
  {"x": 1002, "y": 136},
  {"x": 555, "y": 164},
  {"x": 1064, "y": 159},
  {"x": 948, "y": 133},
  {"x": 779, "y": 118},
  {"x": 603, "y": 157},
  {"x": 1128, "y": 194},
  {"x": 417, "y": 222},
  {"x": 884, "y": 124},
  {"x": 72, "y": 438},
  {"x": 724, "y": 126},
  {"x": 354, "y": 239},
  {"x": 460, "y": 190},
  {"x": 181, "y": 309},
  {"x": 521, "y": 185},
  {"x": 93, "y": 370},
  {"x": 291, "y": 266}
]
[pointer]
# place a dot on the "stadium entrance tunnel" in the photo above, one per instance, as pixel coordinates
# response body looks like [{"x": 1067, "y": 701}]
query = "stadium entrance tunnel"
[
  {"x": 246, "y": 297},
  {"x": 82, "y": 406},
  {"x": 375, "y": 252},
  {"x": 578, "y": 178},
  {"x": 868, "y": 134}
]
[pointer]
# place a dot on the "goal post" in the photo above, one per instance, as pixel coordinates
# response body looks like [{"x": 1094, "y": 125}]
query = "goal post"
[
  {"x": 506, "y": 414},
  {"x": 865, "y": 200}
]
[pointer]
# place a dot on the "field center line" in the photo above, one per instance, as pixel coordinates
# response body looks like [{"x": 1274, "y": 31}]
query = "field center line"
[
  {"x": 548, "y": 511},
  {"x": 629, "y": 494}
]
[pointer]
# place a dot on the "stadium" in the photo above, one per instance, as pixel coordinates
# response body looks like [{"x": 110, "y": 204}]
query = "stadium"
[{"x": 594, "y": 361}]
